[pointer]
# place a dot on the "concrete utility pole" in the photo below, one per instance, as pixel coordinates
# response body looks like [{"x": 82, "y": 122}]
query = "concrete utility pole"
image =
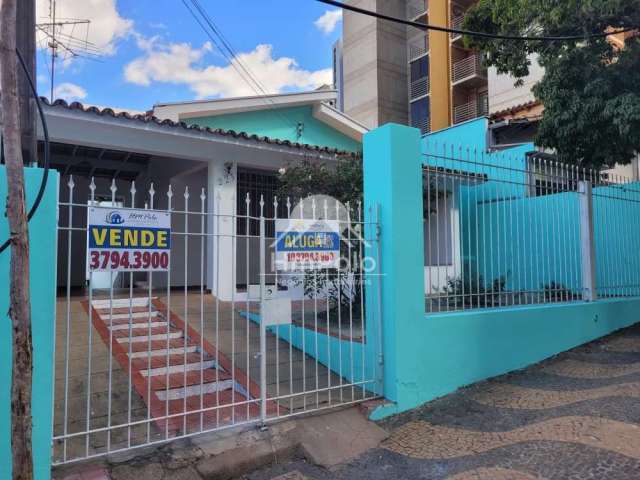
[
  {"x": 20, "y": 298},
  {"x": 26, "y": 43}
]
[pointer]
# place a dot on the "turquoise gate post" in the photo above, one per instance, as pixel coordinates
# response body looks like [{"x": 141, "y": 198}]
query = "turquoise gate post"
[
  {"x": 43, "y": 237},
  {"x": 393, "y": 180}
]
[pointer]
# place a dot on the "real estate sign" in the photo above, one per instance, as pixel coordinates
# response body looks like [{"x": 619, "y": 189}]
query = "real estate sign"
[
  {"x": 307, "y": 244},
  {"x": 128, "y": 239}
]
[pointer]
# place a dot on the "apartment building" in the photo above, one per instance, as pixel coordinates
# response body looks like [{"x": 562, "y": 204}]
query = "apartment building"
[{"x": 394, "y": 73}]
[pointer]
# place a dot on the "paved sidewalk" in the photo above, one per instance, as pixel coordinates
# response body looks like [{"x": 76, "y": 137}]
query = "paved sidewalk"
[{"x": 576, "y": 416}]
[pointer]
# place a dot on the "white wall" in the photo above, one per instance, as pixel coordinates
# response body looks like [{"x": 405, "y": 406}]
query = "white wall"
[
  {"x": 436, "y": 276},
  {"x": 503, "y": 95}
]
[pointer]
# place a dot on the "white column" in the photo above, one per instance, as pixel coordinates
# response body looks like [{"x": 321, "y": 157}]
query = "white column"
[
  {"x": 221, "y": 249},
  {"x": 587, "y": 243}
]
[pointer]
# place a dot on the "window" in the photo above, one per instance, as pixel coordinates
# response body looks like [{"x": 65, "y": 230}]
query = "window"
[
  {"x": 257, "y": 183},
  {"x": 420, "y": 114},
  {"x": 419, "y": 69},
  {"x": 438, "y": 233}
]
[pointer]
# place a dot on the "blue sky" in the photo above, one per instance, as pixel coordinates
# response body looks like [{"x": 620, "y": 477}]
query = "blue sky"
[{"x": 156, "y": 52}]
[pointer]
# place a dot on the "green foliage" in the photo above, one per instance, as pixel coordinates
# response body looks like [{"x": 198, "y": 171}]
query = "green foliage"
[
  {"x": 590, "y": 90},
  {"x": 342, "y": 181},
  {"x": 470, "y": 290},
  {"x": 558, "y": 292}
]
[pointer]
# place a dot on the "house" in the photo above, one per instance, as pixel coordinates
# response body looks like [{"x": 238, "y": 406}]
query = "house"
[
  {"x": 213, "y": 153},
  {"x": 509, "y": 221}
]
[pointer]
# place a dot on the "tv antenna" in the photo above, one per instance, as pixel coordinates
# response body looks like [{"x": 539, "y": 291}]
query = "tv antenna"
[{"x": 60, "y": 38}]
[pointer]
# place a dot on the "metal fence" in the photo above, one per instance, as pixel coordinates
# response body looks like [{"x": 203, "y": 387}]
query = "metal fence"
[
  {"x": 144, "y": 357},
  {"x": 502, "y": 231}
]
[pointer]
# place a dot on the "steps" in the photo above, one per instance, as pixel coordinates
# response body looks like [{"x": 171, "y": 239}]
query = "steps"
[{"x": 174, "y": 369}]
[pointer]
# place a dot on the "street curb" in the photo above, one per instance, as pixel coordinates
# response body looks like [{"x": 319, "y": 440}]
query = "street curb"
[{"x": 239, "y": 461}]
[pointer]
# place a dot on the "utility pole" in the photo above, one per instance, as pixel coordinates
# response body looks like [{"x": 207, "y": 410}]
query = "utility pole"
[
  {"x": 19, "y": 290},
  {"x": 26, "y": 43}
]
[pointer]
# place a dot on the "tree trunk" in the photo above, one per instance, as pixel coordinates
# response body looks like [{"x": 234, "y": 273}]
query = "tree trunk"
[{"x": 20, "y": 309}]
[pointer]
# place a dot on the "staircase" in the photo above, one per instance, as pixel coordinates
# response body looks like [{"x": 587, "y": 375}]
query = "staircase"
[{"x": 187, "y": 384}]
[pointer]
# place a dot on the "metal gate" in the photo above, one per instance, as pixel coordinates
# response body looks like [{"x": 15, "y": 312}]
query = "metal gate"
[{"x": 146, "y": 354}]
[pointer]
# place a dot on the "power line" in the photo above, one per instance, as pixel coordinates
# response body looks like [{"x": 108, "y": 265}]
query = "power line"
[
  {"x": 494, "y": 36},
  {"x": 228, "y": 46},
  {"x": 228, "y": 52}
]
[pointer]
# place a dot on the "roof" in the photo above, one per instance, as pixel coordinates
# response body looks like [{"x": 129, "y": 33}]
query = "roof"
[
  {"x": 321, "y": 100},
  {"x": 206, "y": 108},
  {"x": 463, "y": 175},
  {"x": 149, "y": 118},
  {"x": 515, "y": 109}
]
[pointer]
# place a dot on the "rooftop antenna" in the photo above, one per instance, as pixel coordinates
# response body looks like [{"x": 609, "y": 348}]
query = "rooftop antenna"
[{"x": 65, "y": 43}]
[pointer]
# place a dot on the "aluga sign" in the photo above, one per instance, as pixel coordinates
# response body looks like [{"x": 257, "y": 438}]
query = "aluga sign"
[
  {"x": 127, "y": 239},
  {"x": 307, "y": 244}
]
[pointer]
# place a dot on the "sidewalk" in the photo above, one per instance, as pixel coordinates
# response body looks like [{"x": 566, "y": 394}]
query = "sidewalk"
[{"x": 573, "y": 416}]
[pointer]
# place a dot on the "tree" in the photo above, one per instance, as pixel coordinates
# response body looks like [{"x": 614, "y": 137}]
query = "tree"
[
  {"x": 590, "y": 89},
  {"x": 344, "y": 182},
  {"x": 20, "y": 308}
]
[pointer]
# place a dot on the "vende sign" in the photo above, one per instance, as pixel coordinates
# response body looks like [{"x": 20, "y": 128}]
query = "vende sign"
[
  {"x": 127, "y": 239},
  {"x": 307, "y": 244}
]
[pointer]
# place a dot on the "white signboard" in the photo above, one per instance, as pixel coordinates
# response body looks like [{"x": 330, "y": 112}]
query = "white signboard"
[
  {"x": 307, "y": 244},
  {"x": 276, "y": 311},
  {"x": 128, "y": 239}
]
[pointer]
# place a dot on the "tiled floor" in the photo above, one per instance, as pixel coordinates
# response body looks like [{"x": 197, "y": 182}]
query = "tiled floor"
[
  {"x": 575, "y": 416},
  {"x": 114, "y": 402}
]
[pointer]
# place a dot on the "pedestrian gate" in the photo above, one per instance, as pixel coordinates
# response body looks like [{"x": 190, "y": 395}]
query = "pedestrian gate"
[{"x": 157, "y": 341}]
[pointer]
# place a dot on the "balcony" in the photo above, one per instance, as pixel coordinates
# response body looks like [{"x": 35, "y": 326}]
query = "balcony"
[
  {"x": 474, "y": 109},
  {"x": 469, "y": 71},
  {"x": 456, "y": 23},
  {"x": 419, "y": 88},
  {"x": 418, "y": 47},
  {"x": 417, "y": 10},
  {"x": 424, "y": 124}
]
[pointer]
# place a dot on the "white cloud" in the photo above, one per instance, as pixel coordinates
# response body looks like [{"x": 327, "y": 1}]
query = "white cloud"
[
  {"x": 328, "y": 21},
  {"x": 181, "y": 64},
  {"x": 69, "y": 92},
  {"x": 105, "y": 29}
]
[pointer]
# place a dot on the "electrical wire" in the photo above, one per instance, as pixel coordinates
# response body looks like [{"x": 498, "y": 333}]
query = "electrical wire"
[
  {"x": 228, "y": 52},
  {"x": 494, "y": 36},
  {"x": 47, "y": 146}
]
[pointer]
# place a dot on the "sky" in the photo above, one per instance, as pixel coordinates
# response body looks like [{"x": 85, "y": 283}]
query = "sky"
[{"x": 153, "y": 51}]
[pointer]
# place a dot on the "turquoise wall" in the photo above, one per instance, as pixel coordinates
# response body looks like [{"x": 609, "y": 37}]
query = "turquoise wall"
[
  {"x": 281, "y": 124},
  {"x": 530, "y": 241},
  {"x": 458, "y": 349},
  {"x": 43, "y": 237},
  {"x": 353, "y": 361},
  {"x": 427, "y": 356},
  {"x": 617, "y": 239},
  {"x": 393, "y": 181}
]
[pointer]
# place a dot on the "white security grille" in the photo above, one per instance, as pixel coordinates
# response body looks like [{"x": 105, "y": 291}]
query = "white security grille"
[
  {"x": 503, "y": 231},
  {"x": 147, "y": 357}
]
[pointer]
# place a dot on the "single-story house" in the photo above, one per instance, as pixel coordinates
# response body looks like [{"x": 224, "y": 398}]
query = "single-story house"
[{"x": 224, "y": 149}]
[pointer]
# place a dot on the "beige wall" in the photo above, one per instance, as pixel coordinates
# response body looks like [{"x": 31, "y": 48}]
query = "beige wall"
[
  {"x": 502, "y": 93},
  {"x": 375, "y": 65}
]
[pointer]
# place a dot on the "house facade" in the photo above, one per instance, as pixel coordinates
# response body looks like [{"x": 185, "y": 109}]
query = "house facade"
[{"x": 212, "y": 154}]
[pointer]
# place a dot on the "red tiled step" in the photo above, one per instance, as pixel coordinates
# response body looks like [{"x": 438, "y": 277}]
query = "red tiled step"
[
  {"x": 178, "y": 380},
  {"x": 211, "y": 418},
  {"x": 134, "y": 321},
  {"x": 141, "y": 332},
  {"x": 160, "y": 361},
  {"x": 160, "y": 345},
  {"x": 121, "y": 310}
]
